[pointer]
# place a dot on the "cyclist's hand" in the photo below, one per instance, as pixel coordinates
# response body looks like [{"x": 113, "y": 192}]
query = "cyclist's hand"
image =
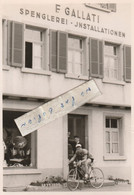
[{"x": 79, "y": 163}]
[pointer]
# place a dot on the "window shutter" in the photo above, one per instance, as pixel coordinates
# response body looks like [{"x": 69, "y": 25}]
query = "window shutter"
[
  {"x": 9, "y": 42},
  {"x": 96, "y": 57},
  {"x": 53, "y": 50},
  {"x": 127, "y": 63},
  {"x": 101, "y": 57},
  {"x": 62, "y": 52},
  {"x": 112, "y": 7},
  {"x": 17, "y": 43}
]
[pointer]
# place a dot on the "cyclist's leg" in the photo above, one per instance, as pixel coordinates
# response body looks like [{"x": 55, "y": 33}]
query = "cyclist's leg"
[{"x": 88, "y": 165}]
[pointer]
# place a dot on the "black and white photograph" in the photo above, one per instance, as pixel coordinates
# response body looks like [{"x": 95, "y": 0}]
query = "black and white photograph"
[{"x": 66, "y": 96}]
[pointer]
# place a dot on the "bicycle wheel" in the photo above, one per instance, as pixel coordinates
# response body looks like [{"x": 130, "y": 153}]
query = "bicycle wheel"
[
  {"x": 73, "y": 180},
  {"x": 96, "y": 178}
]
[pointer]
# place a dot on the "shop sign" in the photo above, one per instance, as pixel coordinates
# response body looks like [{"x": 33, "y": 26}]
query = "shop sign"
[{"x": 57, "y": 107}]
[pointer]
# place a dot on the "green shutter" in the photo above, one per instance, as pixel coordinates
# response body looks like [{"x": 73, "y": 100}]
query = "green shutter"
[
  {"x": 127, "y": 63},
  {"x": 112, "y": 7},
  {"x": 62, "y": 52},
  {"x": 96, "y": 57},
  {"x": 17, "y": 43},
  {"x": 53, "y": 50}
]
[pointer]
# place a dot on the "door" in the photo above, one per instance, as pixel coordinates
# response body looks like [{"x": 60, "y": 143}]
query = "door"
[{"x": 76, "y": 127}]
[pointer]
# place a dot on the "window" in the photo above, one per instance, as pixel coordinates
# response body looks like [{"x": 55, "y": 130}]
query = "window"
[
  {"x": 18, "y": 151},
  {"x": 108, "y": 7},
  {"x": 113, "y": 137},
  {"x": 112, "y": 70},
  {"x": 75, "y": 55},
  {"x": 34, "y": 47},
  {"x": 24, "y": 46}
]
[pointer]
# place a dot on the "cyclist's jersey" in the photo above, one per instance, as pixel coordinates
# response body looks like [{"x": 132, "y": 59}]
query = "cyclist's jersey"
[{"x": 81, "y": 153}]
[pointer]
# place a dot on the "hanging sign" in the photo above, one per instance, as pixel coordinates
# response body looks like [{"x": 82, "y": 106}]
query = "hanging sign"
[{"x": 57, "y": 107}]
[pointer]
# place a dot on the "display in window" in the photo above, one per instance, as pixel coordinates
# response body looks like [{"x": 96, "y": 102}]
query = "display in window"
[{"x": 17, "y": 153}]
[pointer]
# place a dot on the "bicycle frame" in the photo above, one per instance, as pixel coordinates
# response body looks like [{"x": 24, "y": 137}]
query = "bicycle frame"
[{"x": 96, "y": 177}]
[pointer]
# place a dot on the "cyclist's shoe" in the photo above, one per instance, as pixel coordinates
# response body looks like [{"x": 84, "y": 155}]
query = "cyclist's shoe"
[{"x": 86, "y": 176}]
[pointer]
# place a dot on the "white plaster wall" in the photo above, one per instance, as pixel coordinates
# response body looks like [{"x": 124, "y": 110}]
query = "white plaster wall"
[
  {"x": 25, "y": 84},
  {"x": 50, "y": 145},
  {"x": 119, "y": 20}
]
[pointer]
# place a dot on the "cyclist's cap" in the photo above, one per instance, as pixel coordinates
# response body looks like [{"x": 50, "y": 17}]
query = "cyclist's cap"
[{"x": 78, "y": 145}]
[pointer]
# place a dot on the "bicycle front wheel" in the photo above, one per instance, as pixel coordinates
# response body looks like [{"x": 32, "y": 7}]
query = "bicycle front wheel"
[
  {"x": 96, "y": 178},
  {"x": 73, "y": 180}
]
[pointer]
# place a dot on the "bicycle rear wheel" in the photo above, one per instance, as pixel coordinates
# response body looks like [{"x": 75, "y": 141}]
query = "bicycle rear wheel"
[
  {"x": 73, "y": 180},
  {"x": 96, "y": 178}
]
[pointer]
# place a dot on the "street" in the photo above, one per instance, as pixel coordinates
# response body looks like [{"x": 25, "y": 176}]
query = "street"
[{"x": 120, "y": 187}]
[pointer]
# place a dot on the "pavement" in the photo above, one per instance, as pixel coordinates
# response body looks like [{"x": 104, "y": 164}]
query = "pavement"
[{"x": 108, "y": 186}]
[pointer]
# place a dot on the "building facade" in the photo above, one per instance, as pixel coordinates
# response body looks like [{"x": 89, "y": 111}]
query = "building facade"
[{"x": 48, "y": 50}]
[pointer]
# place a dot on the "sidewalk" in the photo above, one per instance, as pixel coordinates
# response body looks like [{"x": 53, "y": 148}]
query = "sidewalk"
[{"x": 108, "y": 186}]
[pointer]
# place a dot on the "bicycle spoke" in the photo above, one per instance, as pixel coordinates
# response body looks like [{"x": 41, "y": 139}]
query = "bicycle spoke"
[
  {"x": 73, "y": 180},
  {"x": 96, "y": 178}
]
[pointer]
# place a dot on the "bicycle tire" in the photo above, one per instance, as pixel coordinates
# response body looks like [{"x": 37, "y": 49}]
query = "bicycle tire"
[
  {"x": 96, "y": 177},
  {"x": 73, "y": 180}
]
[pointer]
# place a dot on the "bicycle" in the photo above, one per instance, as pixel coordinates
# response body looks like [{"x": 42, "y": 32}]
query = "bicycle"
[{"x": 95, "y": 179}]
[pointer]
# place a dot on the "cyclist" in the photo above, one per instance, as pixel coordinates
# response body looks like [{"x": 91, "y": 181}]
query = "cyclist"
[{"x": 83, "y": 157}]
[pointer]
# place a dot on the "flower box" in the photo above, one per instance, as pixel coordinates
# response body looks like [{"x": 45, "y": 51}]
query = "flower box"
[{"x": 44, "y": 187}]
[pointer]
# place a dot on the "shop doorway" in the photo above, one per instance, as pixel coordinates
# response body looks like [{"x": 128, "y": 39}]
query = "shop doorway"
[{"x": 77, "y": 127}]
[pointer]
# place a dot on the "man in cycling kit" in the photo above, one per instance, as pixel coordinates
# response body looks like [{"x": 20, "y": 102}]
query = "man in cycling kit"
[{"x": 83, "y": 157}]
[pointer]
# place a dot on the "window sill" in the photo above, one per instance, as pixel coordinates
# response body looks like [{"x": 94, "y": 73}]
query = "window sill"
[
  {"x": 113, "y": 82},
  {"x": 35, "y": 71},
  {"x": 114, "y": 158},
  {"x": 22, "y": 171},
  {"x": 6, "y": 67},
  {"x": 79, "y": 77}
]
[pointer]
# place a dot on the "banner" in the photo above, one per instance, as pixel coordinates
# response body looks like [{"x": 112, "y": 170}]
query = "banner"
[{"x": 57, "y": 107}]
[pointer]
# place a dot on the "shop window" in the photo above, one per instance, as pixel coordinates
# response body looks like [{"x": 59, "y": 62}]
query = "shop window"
[
  {"x": 19, "y": 151},
  {"x": 112, "y": 66},
  {"x": 76, "y": 55},
  {"x": 113, "y": 137}
]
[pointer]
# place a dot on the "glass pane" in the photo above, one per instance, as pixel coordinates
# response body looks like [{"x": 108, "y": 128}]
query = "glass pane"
[
  {"x": 107, "y": 136},
  {"x": 114, "y": 148},
  {"x": 70, "y": 42},
  {"x": 37, "y": 50},
  {"x": 70, "y": 61},
  {"x": 77, "y": 57},
  {"x": 107, "y": 148},
  {"x": 113, "y": 123},
  {"x": 28, "y": 54},
  {"x": 17, "y": 149},
  {"x": 33, "y": 35},
  {"x": 76, "y": 44},
  {"x": 107, "y": 123},
  {"x": 37, "y": 63},
  {"x": 114, "y": 137},
  {"x": 109, "y": 49}
]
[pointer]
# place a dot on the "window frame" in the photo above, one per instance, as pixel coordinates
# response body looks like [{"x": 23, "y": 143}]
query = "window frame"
[
  {"x": 120, "y": 121},
  {"x": 119, "y": 57},
  {"x": 42, "y": 43},
  {"x": 84, "y": 68}
]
